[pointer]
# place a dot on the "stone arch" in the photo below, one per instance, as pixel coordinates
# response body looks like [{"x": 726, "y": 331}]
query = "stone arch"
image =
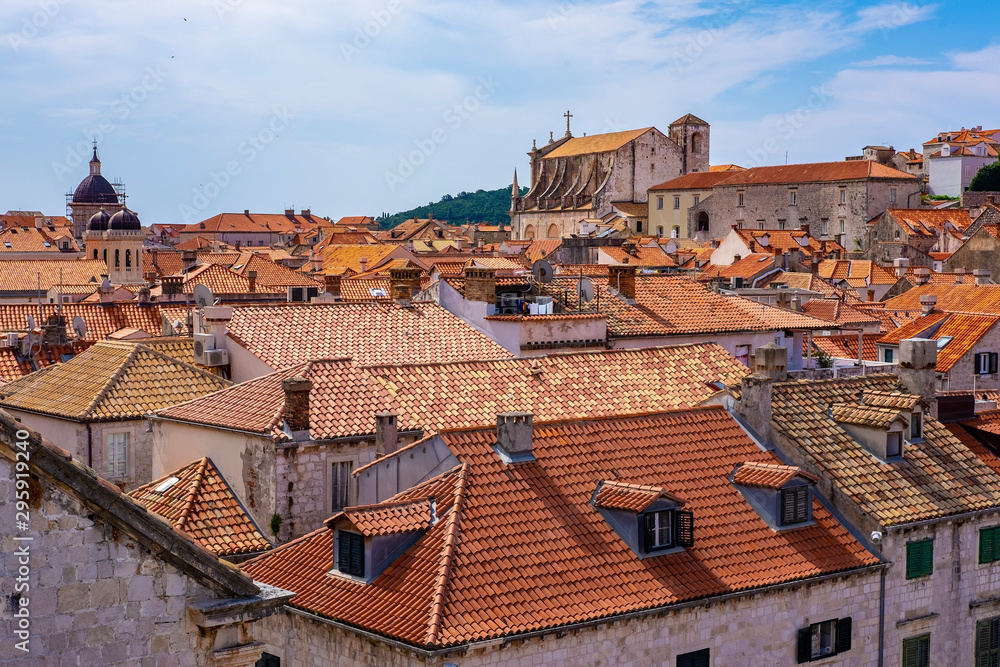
[
  {"x": 696, "y": 143},
  {"x": 553, "y": 232},
  {"x": 529, "y": 232},
  {"x": 703, "y": 221}
]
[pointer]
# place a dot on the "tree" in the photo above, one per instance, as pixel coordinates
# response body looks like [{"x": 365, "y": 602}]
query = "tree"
[{"x": 987, "y": 179}]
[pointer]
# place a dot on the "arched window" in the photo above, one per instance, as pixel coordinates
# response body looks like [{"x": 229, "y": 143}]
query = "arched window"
[
  {"x": 675, "y": 233},
  {"x": 529, "y": 232},
  {"x": 695, "y": 143},
  {"x": 128, "y": 258},
  {"x": 703, "y": 222},
  {"x": 95, "y": 253},
  {"x": 659, "y": 231},
  {"x": 117, "y": 258},
  {"x": 553, "y": 231}
]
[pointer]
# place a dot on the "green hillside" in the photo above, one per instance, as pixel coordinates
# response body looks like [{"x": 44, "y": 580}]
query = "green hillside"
[{"x": 489, "y": 206}]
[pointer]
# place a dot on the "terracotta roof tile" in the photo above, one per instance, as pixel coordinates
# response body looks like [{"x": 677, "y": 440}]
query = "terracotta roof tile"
[
  {"x": 768, "y": 475},
  {"x": 699, "y": 180},
  {"x": 835, "y": 310},
  {"x": 197, "y": 500},
  {"x": 26, "y": 275},
  {"x": 597, "y": 143},
  {"x": 622, "y": 496},
  {"x": 872, "y": 416},
  {"x": 976, "y": 299},
  {"x": 405, "y": 516},
  {"x": 817, "y": 172},
  {"x": 929, "y": 222},
  {"x": 965, "y": 331},
  {"x": 524, "y": 550}
]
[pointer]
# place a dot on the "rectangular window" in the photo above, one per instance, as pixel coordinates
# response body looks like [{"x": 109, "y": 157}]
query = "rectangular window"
[
  {"x": 794, "y": 505},
  {"x": 826, "y": 228},
  {"x": 677, "y": 202},
  {"x": 917, "y": 651},
  {"x": 117, "y": 461},
  {"x": 989, "y": 544},
  {"x": 659, "y": 203},
  {"x": 697, "y": 199},
  {"x": 739, "y": 199},
  {"x": 781, "y": 224},
  {"x": 793, "y": 198},
  {"x": 340, "y": 477},
  {"x": 986, "y": 363},
  {"x": 351, "y": 554},
  {"x": 893, "y": 444},
  {"x": 821, "y": 640},
  {"x": 888, "y": 356},
  {"x": 916, "y": 426},
  {"x": 843, "y": 196},
  {"x": 988, "y": 642},
  {"x": 919, "y": 559},
  {"x": 268, "y": 660},
  {"x": 700, "y": 658},
  {"x": 892, "y": 195},
  {"x": 841, "y": 225},
  {"x": 667, "y": 528}
]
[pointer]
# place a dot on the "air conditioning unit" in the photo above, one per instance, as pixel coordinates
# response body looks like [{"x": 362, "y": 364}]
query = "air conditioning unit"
[
  {"x": 509, "y": 310},
  {"x": 216, "y": 358},
  {"x": 203, "y": 344},
  {"x": 12, "y": 339},
  {"x": 509, "y": 300},
  {"x": 296, "y": 294}
]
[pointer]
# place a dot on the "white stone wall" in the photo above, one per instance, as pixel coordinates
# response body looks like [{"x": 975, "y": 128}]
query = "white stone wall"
[
  {"x": 756, "y": 630},
  {"x": 95, "y": 597}
]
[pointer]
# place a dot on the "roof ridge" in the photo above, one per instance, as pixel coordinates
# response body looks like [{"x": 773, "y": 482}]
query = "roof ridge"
[
  {"x": 196, "y": 481},
  {"x": 443, "y": 577},
  {"x": 113, "y": 378}
]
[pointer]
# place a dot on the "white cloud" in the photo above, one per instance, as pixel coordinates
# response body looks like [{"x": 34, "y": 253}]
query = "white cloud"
[{"x": 891, "y": 61}]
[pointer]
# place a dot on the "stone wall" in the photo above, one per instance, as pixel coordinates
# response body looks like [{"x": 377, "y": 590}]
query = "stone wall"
[
  {"x": 758, "y": 629},
  {"x": 980, "y": 251}
]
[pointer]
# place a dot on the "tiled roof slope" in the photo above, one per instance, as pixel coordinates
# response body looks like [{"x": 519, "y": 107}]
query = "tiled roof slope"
[
  {"x": 976, "y": 447},
  {"x": 110, "y": 381},
  {"x": 965, "y": 331},
  {"x": 597, "y": 143},
  {"x": 939, "y": 476},
  {"x": 623, "y": 496},
  {"x": 835, "y": 310},
  {"x": 369, "y": 333},
  {"x": 768, "y": 475},
  {"x": 202, "y": 504},
  {"x": 929, "y": 222},
  {"x": 405, "y": 516},
  {"x": 101, "y": 320},
  {"x": 345, "y": 397},
  {"x": 29, "y": 239},
  {"x": 979, "y": 299},
  {"x": 699, "y": 180},
  {"x": 30, "y": 275},
  {"x": 816, "y": 172},
  {"x": 519, "y": 549},
  {"x": 272, "y": 274},
  {"x": 845, "y": 346},
  {"x": 858, "y": 272}
]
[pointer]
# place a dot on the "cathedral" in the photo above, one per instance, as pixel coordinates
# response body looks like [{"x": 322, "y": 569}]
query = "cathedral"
[
  {"x": 93, "y": 194},
  {"x": 581, "y": 178}
]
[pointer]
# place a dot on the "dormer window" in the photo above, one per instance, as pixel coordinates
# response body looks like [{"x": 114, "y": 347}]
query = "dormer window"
[
  {"x": 351, "y": 553},
  {"x": 368, "y": 539},
  {"x": 893, "y": 444},
  {"x": 659, "y": 529},
  {"x": 650, "y": 521},
  {"x": 916, "y": 426},
  {"x": 781, "y": 495},
  {"x": 794, "y": 505}
]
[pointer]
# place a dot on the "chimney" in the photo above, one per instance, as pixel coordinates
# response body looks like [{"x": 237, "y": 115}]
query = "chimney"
[
  {"x": 481, "y": 284},
  {"x": 737, "y": 258},
  {"x": 814, "y": 265},
  {"x": 188, "y": 259},
  {"x": 331, "y": 285},
  {"x": 922, "y": 275},
  {"x": 315, "y": 262},
  {"x": 771, "y": 361},
  {"x": 982, "y": 276},
  {"x": 105, "y": 291},
  {"x": 150, "y": 277},
  {"x": 39, "y": 220},
  {"x": 917, "y": 369},
  {"x": 621, "y": 277},
  {"x": 290, "y": 213},
  {"x": 514, "y": 433},
  {"x": 927, "y": 303},
  {"x": 252, "y": 279},
  {"x": 386, "y": 433},
  {"x": 901, "y": 265},
  {"x": 403, "y": 283},
  {"x": 297, "y": 406},
  {"x": 797, "y": 303},
  {"x": 363, "y": 264},
  {"x": 143, "y": 298},
  {"x": 172, "y": 285},
  {"x": 217, "y": 320},
  {"x": 246, "y": 212}
]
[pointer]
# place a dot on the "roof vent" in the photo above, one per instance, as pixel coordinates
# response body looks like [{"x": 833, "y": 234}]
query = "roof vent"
[{"x": 514, "y": 435}]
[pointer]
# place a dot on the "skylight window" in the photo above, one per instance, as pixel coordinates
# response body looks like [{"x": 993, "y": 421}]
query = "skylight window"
[
  {"x": 378, "y": 292},
  {"x": 942, "y": 341},
  {"x": 46, "y": 244},
  {"x": 6, "y": 244},
  {"x": 167, "y": 483}
]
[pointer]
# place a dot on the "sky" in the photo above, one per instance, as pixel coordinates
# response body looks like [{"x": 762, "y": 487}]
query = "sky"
[{"x": 361, "y": 107}]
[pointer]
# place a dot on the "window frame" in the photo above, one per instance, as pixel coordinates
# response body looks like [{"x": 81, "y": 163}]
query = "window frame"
[
  {"x": 699, "y": 658},
  {"x": 839, "y": 639},
  {"x": 739, "y": 199},
  {"x": 333, "y": 466},
  {"x": 843, "y": 195},
  {"x": 797, "y": 505},
  {"x": 987, "y": 648},
  {"x": 986, "y": 363},
  {"x": 888, "y": 355},
  {"x": 656, "y": 523},
  {"x": 915, "y": 644},
  {"x": 893, "y": 438},
  {"x": 677, "y": 202},
  {"x": 348, "y": 542},
  {"x": 916, "y": 426},
  {"x": 793, "y": 197},
  {"x": 696, "y": 199},
  {"x": 989, "y": 549},
  {"x": 919, "y": 558},
  {"x": 681, "y": 527},
  {"x": 116, "y": 464},
  {"x": 659, "y": 203}
]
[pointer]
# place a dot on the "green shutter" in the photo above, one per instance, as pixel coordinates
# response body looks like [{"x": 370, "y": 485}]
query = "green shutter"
[
  {"x": 916, "y": 651},
  {"x": 988, "y": 643},
  {"x": 919, "y": 559},
  {"x": 987, "y": 545}
]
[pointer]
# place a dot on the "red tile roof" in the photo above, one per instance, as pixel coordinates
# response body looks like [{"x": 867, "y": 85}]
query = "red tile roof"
[
  {"x": 597, "y": 143},
  {"x": 818, "y": 172},
  {"x": 30, "y": 275},
  {"x": 405, "y": 516},
  {"x": 768, "y": 475},
  {"x": 520, "y": 548},
  {"x": 980, "y": 299},
  {"x": 858, "y": 273},
  {"x": 846, "y": 346},
  {"x": 965, "y": 331},
  {"x": 835, "y": 310},
  {"x": 622, "y": 496},
  {"x": 929, "y": 222},
  {"x": 699, "y": 180},
  {"x": 201, "y": 503}
]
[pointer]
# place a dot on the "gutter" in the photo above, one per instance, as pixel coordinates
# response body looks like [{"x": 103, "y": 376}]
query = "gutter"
[
  {"x": 964, "y": 516},
  {"x": 563, "y": 629}
]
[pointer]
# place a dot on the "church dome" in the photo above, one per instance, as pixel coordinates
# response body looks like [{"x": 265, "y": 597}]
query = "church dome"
[
  {"x": 125, "y": 220},
  {"x": 99, "y": 221},
  {"x": 95, "y": 189}
]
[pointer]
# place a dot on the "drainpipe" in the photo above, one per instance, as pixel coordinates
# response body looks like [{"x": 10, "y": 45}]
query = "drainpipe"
[{"x": 881, "y": 621}]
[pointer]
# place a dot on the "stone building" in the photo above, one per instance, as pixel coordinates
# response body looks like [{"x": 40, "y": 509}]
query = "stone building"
[
  {"x": 117, "y": 241},
  {"x": 580, "y": 178},
  {"x": 93, "y": 195},
  {"x": 924, "y": 230},
  {"x": 657, "y": 539},
  {"x": 832, "y": 200},
  {"x": 669, "y": 202},
  {"x": 928, "y": 502},
  {"x": 96, "y": 403},
  {"x": 952, "y": 158},
  {"x": 90, "y": 577}
]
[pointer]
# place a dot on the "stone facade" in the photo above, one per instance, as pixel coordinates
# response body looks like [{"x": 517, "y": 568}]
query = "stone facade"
[
  {"x": 753, "y": 629},
  {"x": 818, "y": 207}
]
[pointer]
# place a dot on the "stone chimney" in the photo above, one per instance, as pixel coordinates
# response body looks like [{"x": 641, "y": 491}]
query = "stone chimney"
[
  {"x": 106, "y": 293},
  {"x": 621, "y": 277},
  {"x": 983, "y": 276},
  {"x": 188, "y": 259},
  {"x": 514, "y": 434},
  {"x": 737, "y": 258},
  {"x": 315, "y": 262},
  {"x": 290, "y": 213},
  {"x": 814, "y": 265},
  {"x": 143, "y": 297},
  {"x": 252, "y": 279},
  {"x": 917, "y": 369},
  {"x": 386, "y": 433},
  {"x": 331, "y": 285},
  {"x": 927, "y": 303},
  {"x": 901, "y": 264},
  {"x": 921, "y": 275},
  {"x": 481, "y": 284},
  {"x": 297, "y": 406},
  {"x": 172, "y": 285},
  {"x": 362, "y": 264},
  {"x": 39, "y": 221},
  {"x": 771, "y": 361},
  {"x": 403, "y": 283},
  {"x": 797, "y": 303},
  {"x": 150, "y": 277}
]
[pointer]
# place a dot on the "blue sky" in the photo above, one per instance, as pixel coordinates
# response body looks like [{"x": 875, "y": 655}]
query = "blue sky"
[{"x": 360, "y": 107}]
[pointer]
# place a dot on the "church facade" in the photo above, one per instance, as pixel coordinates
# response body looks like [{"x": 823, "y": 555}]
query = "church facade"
[{"x": 582, "y": 178}]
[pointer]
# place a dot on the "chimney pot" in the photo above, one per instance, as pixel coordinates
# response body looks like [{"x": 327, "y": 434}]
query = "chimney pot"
[
  {"x": 927, "y": 303},
  {"x": 297, "y": 405},
  {"x": 252, "y": 279},
  {"x": 386, "y": 433},
  {"x": 982, "y": 276},
  {"x": 917, "y": 369},
  {"x": 331, "y": 284},
  {"x": 771, "y": 361},
  {"x": 403, "y": 283},
  {"x": 514, "y": 435}
]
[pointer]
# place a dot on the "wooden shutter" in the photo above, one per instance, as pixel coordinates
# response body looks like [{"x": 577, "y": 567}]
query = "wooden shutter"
[
  {"x": 993, "y": 362},
  {"x": 843, "y": 635},
  {"x": 343, "y": 553},
  {"x": 987, "y": 545},
  {"x": 805, "y": 645},
  {"x": 694, "y": 659},
  {"x": 684, "y": 528},
  {"x": 987, "y": 643},
  {"x": 357, "y": 556},
  {"x": 646, "y": 527},
  {"x": 919, "y": 559}
]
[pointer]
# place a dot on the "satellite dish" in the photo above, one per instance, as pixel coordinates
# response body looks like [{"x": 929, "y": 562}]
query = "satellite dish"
[
  {"x": 80, "y": 327},
  {"x": 203, "y": 296},
  {"x": 585, "y": 290},
  {"x": 178, "y": 327},
  {"x": 542, "y": 271},
  {"x": 31, "y": 323}
]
